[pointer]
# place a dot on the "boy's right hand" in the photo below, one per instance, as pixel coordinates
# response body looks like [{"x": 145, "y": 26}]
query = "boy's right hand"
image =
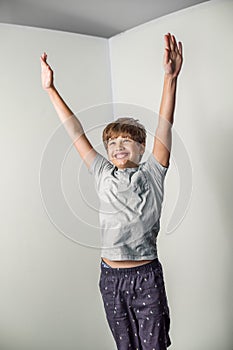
[{"x": 46, "y": 73}]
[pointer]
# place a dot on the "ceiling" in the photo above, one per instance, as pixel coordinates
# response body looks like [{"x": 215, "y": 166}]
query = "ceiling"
[{"x": 102, "y": 18}]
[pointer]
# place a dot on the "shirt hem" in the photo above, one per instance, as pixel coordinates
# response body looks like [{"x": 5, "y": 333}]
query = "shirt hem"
[{"x": 129, "y": 257}]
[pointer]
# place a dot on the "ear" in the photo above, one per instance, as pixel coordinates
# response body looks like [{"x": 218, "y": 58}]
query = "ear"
[{"x": 142, "y": 148}]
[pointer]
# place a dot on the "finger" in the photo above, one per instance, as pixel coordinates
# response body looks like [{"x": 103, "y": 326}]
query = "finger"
[
  {"x": 43, "y": 59},
  {"x": 167, "y": 42},
  {"x": 43, "y": 63},
  {"x": 44, "y": 55},
  {"x": 171, "y": 45},
  {"x": 171, "y": 42},
  {"x": 166, "y": 56},
  {"x": 175, "y": 43},
  {"x": 180, "y": 48}
]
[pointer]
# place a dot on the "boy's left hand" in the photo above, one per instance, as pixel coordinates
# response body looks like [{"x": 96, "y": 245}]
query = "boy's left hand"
[{"x": 173, "y": 58}]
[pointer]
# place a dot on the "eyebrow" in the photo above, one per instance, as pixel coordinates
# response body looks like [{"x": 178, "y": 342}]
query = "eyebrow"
[{"x": 114, "y": 138}]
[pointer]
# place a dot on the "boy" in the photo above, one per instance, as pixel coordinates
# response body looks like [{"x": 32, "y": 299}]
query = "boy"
[{"x": 131, "y": 195}]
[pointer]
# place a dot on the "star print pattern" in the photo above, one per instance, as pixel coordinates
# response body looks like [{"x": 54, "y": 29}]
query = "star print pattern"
[{"x": 136, "y": 306}]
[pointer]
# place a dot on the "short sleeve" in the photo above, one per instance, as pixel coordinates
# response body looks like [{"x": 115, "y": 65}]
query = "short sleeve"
[
  {"x": 99, "y": 165},
  {"x": 156, "y": 170}
]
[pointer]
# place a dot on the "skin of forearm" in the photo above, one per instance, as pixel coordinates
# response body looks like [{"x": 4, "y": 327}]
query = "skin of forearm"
[
  {"x": 166, "y": 112},
  {"x": 69, "y": 120},
  {"x": 167, "y": 106}
]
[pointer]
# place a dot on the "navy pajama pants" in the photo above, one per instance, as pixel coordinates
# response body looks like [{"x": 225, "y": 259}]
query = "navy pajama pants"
[{"x": 136, "y": 306}]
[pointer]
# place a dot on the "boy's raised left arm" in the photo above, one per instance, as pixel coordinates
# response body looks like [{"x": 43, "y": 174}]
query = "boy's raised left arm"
[{"x": 172, "y": 62}]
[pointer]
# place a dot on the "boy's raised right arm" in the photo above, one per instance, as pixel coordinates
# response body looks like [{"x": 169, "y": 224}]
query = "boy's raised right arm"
[{"x": 71, "y": 123}]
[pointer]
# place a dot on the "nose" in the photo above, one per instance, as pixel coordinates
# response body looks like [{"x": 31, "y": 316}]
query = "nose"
[{"x": 119, "y": 145}]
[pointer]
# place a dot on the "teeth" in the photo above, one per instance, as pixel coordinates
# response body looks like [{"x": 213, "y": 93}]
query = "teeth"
[{"x": 122, "y": 155}]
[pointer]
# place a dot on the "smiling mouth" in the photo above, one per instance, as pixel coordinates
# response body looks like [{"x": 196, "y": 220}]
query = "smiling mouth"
[{"x": 121, "y": 155}]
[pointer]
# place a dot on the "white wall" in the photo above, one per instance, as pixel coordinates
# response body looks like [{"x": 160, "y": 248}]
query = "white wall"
[
  {"x": 197, "y": 255},
  {"x": 49, "y": 282}
]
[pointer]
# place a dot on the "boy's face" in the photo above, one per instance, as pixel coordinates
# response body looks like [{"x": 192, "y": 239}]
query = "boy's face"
[{"x": 124, "y": 152}]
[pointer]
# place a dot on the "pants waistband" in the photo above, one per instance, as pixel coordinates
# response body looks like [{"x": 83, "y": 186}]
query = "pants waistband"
[{"x": 132, "y": 270}]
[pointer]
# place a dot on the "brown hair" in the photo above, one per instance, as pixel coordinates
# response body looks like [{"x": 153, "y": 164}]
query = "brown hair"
[{"x": 126, "y": 127}]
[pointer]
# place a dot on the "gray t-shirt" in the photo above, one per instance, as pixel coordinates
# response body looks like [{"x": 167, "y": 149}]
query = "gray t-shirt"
[{"x": 130, "y": 207}]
